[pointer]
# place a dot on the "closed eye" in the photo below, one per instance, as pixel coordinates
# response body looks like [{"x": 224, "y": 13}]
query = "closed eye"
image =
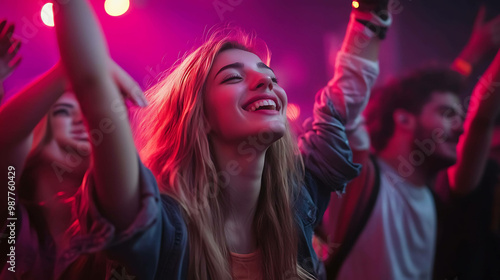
[
  {"x": 275, "y": 80},
  {"x": 233, "y": 78},
  {"x": 62, "y": 112}
]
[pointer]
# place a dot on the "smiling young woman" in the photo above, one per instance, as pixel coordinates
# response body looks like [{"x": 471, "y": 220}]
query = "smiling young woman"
[{"x": 232, "y": 201}]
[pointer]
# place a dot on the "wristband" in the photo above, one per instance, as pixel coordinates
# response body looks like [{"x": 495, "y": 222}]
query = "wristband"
[
  {"x": 462, "y": 66},
  {"x": 370, "y": 24}
]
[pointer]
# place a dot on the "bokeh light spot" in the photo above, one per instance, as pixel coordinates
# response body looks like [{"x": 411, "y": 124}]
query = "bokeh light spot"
[
  {"x": 116, "y": 7},
  {"x": 47, "y": 14},
  {"x": 292, "y": 112}
]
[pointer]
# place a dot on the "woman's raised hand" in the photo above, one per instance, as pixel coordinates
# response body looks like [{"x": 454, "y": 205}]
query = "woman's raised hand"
[{"x": 129, "y": 88}]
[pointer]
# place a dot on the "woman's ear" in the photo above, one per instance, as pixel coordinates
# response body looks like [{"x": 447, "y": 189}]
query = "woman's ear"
[{"x": 404, "y": 120}]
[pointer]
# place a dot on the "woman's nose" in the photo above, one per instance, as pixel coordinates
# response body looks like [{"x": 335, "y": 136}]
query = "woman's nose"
[
  {"x": 77, "y": 119},
  {"x": 263, "y": 82}
]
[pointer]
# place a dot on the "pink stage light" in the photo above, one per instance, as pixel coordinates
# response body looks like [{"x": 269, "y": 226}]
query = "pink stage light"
[
  {"x": 292, "y": 112},
  {"x": 116, "y": 7},
  {"x": 47, "y": 15}
]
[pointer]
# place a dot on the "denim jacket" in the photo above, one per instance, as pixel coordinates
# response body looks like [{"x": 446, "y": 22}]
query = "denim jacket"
[{"x": 155, "y": 246}]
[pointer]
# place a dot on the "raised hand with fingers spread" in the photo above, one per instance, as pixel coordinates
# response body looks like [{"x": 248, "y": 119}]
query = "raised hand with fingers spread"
[
  {"x": 9, "y": 46},
  {"x": 485, "y": 37},
  {"x": 486, "y": 34}
]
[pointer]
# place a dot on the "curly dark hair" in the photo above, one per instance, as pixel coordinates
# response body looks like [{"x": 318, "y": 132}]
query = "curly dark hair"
[{"x": 410, "y": 93}]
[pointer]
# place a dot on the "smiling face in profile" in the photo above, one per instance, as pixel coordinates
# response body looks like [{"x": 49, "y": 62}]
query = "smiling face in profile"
[{"x": 443, "y": 116}]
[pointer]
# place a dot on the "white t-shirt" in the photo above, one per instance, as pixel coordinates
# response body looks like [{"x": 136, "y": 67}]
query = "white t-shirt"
[{"x": 398, "y": 241}]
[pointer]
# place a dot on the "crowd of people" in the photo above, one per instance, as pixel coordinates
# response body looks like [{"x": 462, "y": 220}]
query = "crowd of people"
[{"x": 210, "y": 182}]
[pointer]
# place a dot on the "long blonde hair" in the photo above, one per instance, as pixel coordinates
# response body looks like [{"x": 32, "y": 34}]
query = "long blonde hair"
[{"x": 175, "y": 146}]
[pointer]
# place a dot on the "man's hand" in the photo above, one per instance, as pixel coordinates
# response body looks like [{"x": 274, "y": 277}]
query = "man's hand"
[{"x": 485, "y": 37}]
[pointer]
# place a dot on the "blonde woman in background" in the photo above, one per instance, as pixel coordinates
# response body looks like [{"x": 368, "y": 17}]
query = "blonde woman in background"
[{"x": 45, "y": 151}]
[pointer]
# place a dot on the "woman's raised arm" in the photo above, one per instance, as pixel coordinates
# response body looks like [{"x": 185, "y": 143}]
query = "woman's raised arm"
[{"x": 114, "y": 157}]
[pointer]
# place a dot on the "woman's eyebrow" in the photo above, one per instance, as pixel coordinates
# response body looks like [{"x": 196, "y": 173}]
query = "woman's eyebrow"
[
  {"x": 237, "y": 65},
  {"x": 64, "y": 105},
  {"x": 263, "y": 65}
]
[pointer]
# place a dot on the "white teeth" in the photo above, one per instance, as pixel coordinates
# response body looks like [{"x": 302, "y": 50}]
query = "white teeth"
[{"x": 260, "y": 103}]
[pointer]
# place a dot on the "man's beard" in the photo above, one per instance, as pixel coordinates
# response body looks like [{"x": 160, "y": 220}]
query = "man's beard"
[{"x": 437, "y": 159}]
